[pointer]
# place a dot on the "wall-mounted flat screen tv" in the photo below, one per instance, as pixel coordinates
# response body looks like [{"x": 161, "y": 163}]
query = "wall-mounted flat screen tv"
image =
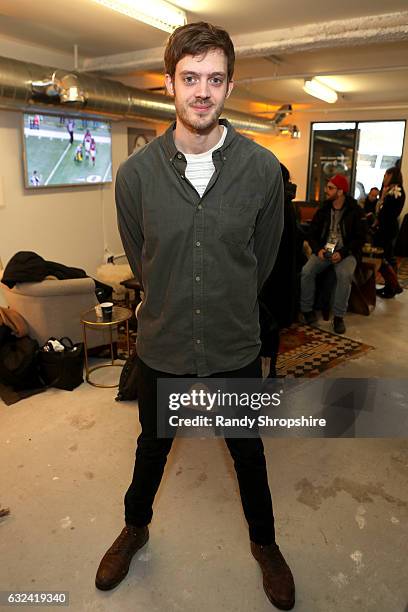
[{"x": 66, "y": 151}]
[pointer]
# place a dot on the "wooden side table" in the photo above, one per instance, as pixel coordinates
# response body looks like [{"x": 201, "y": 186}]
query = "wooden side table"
[{"x": 90, "y": 320}]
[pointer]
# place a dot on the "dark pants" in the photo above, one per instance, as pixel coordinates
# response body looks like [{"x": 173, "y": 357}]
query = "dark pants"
[
  {"x": 389, "y": 267},
  {"x": 151, "y": 456}
]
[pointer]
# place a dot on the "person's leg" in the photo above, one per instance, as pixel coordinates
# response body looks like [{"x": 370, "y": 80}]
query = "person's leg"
[
  {"x": 310, "y": 270},
  {"x": 388, "y": 271},
  {"x": 274, "y": 350},
  {"x": 151, "y": 451},
  {"x": 151, "y": 457},
  {"x": 392, "y": 286},
  {"x": 250, "y": 466},
  {"x": 344, "y": 276}
]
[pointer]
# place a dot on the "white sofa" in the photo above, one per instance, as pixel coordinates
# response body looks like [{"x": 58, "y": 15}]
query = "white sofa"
[{"x": 54, "y": 308}]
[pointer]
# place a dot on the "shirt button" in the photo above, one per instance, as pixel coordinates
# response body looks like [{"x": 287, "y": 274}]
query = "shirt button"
[
  {"x": 179, "y": 156},
  {"x": 198, "y": 311},
  {"x": 198, "y": 243},
  {"x": 198, "y": 341},
  {"x": 198, "y": 279},
  {"x": 199, "y": 207}
]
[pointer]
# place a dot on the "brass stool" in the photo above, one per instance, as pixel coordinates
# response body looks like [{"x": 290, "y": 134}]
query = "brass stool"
[{"x": 91, "y": 320}]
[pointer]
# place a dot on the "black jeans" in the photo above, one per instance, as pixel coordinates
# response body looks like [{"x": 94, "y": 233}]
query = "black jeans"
[{"x": 151, "y": 456}]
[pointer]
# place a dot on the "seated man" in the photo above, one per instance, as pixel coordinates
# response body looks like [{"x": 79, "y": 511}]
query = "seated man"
[{"x": 337, "y": 234}]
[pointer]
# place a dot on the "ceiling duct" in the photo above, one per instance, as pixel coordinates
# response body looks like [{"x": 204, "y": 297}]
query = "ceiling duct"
[{"x": 25, "y": 87}]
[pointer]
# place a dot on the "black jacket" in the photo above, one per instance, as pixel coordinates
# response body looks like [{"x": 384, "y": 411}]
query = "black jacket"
[
  {"x": 352, "y": 226},
  {"x": 279, "y": 293},
  {"x": 388, "y": 216},
  {"x": 28, "y": 267}
]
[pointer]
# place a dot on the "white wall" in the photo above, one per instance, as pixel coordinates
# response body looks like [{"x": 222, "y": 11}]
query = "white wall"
[
  {"x": 60, "y": 224},
  {"x": 69, "y": 225}
]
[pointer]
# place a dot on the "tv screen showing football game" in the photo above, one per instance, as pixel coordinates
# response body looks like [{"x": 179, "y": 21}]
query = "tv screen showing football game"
[{"x": 61, "y": 150}]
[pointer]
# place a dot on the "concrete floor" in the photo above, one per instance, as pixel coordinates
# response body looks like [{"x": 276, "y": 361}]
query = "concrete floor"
[{"x": 341, "y": 506}]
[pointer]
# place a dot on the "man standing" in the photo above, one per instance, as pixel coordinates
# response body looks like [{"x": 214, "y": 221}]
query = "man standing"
[
  {"x": 87, "y": 143},
  {"x": 92, "y": 150},
  {"x": 336, "y": 236},
  {"x": 70, "y": 128},
  {"x": 200, "y": 214},
  {"x": 35, "y": 179}
]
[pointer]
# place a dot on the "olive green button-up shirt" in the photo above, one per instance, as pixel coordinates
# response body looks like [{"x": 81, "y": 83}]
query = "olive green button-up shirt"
[{"x": 201, "y": 261}]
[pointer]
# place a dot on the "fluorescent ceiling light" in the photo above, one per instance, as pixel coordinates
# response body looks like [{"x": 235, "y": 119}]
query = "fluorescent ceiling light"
[
  {"x": 318, "y": 90},
  {"x": 157, "y": 13}
]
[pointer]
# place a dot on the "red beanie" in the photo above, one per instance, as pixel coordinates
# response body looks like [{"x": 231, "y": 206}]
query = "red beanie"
[{"x": 340, "y": 181}]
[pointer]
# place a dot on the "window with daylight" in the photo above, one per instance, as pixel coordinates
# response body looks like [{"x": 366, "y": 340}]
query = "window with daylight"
[{"x": 362, "y": 151}]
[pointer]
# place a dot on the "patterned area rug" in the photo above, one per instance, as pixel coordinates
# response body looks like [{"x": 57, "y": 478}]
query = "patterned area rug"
[
  {"x": 304, "y": 351},
  {"x": 308, "y": 351}
]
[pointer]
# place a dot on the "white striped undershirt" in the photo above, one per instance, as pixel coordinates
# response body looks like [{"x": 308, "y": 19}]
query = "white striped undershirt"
[{"x": 200, "y": 167}]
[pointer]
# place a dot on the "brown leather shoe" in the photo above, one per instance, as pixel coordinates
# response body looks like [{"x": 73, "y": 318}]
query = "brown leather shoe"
[
  {"x": 116, "y": 561},
  {"x": 277, "y": 578}
]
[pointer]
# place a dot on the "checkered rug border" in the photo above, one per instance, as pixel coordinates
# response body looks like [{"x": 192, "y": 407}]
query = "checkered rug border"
[{"x": 317, "y": 350}]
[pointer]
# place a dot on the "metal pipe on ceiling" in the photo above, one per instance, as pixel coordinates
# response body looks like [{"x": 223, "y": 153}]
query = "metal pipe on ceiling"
[{"x": 25, "y": 86}]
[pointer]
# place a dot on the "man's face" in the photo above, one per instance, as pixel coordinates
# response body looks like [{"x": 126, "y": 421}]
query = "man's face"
[
  {"x": 331, "y": 191},
  {"x": 200, "y": 89}
]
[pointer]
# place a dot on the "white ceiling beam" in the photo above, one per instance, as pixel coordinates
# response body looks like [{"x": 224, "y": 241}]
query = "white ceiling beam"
[
  {"x": 123, "y": 63},
  {"x": 310, "y": 73},
  {"x": 343, "y": 109},
  {"x": 390, "y": 27}
]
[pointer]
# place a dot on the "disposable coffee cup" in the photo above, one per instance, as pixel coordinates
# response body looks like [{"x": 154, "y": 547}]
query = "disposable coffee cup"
[{"x": 107, "y": 309}]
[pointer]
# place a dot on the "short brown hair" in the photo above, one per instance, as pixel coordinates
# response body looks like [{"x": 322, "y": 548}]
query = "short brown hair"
[{"x": 196, "y": 39}]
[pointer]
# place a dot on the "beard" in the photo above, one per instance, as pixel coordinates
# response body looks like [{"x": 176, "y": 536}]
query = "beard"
[{"x": 199, "y": 122}]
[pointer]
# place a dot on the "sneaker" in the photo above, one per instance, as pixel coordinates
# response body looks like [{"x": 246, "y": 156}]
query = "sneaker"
[
  {"x": 338, "y": 325},
  {"x": 309, "y": 317}
]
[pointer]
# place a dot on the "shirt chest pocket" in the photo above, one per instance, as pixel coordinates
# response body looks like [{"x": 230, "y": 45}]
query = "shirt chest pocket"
[{"x": 236, "y": 222}]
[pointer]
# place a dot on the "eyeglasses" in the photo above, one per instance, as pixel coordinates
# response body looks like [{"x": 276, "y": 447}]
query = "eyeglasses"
[{"x": 331, "y": 187}]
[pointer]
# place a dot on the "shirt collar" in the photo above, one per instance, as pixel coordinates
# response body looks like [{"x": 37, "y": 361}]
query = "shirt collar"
[{"x": 171, "y": 149}]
